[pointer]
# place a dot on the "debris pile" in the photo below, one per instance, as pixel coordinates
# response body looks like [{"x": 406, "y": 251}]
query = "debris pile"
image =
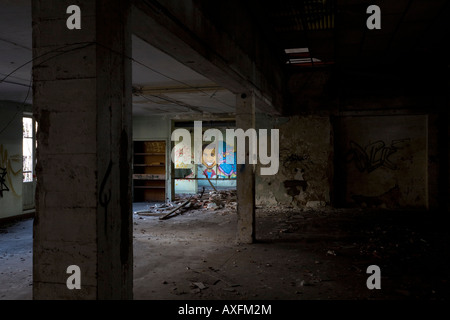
[
  {"x": 214, "y": 200},
  {"x": 221, "y": 199}
]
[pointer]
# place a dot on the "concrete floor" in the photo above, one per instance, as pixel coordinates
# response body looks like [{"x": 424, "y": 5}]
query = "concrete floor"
[
  {"x": 299, "y": 255},
  {"x": 16, "y": 260}
]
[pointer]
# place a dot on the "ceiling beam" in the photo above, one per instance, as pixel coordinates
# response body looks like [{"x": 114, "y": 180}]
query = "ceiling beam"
[
  {"x": 156, "y": 90},
  {"x": 193, "y": 37}
]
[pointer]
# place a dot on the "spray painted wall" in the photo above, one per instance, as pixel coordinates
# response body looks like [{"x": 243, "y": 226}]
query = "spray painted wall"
[
  {"x": 10, "y": 159},
  {"x": 183, "y": 155},
  {"x": 382, "y": 161},
  {"x": 219, "y": 173},
  {"x": 303, "y": 179}
]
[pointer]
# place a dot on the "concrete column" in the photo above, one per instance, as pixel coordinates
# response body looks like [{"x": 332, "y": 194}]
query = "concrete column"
[
  {"x": 82, "y": 102},
  {"x": 245, "y": 119}
]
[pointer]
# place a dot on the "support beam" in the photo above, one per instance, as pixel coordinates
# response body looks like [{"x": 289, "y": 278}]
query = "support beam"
[
  {"x": 82, "y": 102},
  {"x": 245, "y": 119},
  {"x": 190, "y": 32}
]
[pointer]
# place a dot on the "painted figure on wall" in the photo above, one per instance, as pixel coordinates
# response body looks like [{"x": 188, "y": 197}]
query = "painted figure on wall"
[
  {"x": 226, "y": 170},
  {"x": 222, "y": 170},
  {"x": 209, "y": 161}
]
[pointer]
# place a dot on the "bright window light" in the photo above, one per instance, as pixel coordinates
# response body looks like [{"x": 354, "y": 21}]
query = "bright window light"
[{"x": 28, "y": 149}]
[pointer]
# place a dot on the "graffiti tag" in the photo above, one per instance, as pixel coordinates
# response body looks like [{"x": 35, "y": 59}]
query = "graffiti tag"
[
  {"x": 3, "y": 186},
  {"x": 374, "y": 155}
]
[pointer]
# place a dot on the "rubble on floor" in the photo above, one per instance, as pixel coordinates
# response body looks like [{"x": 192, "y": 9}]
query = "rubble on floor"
[{"x": 221, "y": 200}]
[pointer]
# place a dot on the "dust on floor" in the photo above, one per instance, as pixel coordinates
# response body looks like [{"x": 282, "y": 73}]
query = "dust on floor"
[{"x": 307, "y": 255}]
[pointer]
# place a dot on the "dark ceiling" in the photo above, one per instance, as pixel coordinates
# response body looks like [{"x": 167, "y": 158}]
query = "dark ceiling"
[
  {"x": 407, "y": 57},
  {"x": 335, "y": 30}
]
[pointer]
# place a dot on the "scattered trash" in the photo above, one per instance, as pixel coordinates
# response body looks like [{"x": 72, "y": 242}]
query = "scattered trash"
[
  {"x": 199, "y": 285},
  {"x": 212, "y": 205},
  {"x": 166, "y": 216},
  {"x": 331, "y": 253},
  {"x": 216, "y": 200},
  {"x": 305, "y": 283}
]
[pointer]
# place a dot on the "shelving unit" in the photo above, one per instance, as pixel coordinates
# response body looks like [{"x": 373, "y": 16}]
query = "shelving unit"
[{"x": 149, "y": 171}]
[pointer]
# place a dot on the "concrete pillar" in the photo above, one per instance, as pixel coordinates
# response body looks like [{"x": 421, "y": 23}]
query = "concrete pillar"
[
  {"x": 245, "y": 119},
  {"x": 82, "y": 102}
]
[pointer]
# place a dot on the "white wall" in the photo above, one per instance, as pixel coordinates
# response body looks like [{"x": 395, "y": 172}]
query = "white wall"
[{"x": 11, "y": 157}]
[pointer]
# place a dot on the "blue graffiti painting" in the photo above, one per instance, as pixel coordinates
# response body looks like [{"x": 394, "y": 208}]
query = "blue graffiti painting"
[{"x": 227, "y": 170}]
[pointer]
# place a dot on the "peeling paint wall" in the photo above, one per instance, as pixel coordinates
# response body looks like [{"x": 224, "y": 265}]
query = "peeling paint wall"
[
  {"x": 10, "y": 159},
  {"x": 382, "y": 161},
  {"x": 304, "y": 175}
]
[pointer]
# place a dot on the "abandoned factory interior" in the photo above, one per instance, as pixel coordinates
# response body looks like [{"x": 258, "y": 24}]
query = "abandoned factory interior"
[{"x": 224, "y": 150}]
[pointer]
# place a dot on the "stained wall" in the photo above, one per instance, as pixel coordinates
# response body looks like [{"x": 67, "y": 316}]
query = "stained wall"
[
  {"x": 382, "y": 161},
  {"x": 305, "y": 171}
]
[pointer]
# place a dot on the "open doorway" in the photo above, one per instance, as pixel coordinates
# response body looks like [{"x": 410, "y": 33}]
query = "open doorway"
[{"x": 168, "y": 95}]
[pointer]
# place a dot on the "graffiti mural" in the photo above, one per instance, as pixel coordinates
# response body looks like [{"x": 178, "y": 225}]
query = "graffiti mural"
[
  {"x": 374, "y": 155},
  {"x": 6, "y": 171},
  {"x": 209, "y": 162},
  {"x": 182, "y": 157},
  {"x": 209, "y": 168}
]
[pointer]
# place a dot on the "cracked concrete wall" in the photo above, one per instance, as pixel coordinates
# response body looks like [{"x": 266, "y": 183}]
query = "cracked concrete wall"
[
  {"x": 304, "y": 175},
  {"x": 82, "y": 102}
]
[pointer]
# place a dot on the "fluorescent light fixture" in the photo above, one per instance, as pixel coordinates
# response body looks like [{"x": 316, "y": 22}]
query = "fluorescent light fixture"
[
  {"x": 296, "y": 50},
  {"x": 303, "y": 60}
]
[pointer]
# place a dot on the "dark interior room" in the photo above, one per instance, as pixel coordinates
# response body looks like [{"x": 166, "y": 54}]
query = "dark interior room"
[{"x": 224, "y": 150}]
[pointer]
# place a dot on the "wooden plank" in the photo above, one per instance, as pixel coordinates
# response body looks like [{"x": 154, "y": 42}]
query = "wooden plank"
[{"x": 143, "y": 176}]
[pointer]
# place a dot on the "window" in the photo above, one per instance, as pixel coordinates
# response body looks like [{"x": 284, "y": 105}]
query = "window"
[{"x": 28, "y": 149}]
